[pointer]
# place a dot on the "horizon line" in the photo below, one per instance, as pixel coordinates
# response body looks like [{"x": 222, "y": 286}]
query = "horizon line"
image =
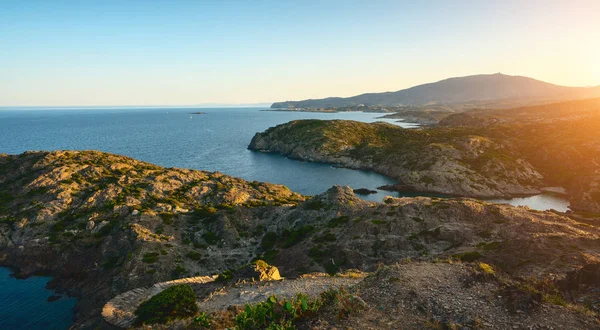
[{"x": 158, "y": 106}]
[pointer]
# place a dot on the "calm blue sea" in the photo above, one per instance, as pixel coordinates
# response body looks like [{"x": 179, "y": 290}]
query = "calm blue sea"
[
  {"x": 24, "y": 305},
  {"x": 216, "y": 141},
  {"x": 172, "y": 137}
]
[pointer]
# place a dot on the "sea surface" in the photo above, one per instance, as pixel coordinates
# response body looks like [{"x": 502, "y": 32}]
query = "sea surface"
[
  {"x": 173, "y": 137},
  {"x": 24, "y": 305},
  {"x": 214, "y": 141}
]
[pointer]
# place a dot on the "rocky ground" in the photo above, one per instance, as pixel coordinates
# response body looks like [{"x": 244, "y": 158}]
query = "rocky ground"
[
  {"x": 450, "y": 161},
  {"x": 448, "y": 296},
  {"x": 480, "y": 153},
  {"x": 104, "y": 224}
]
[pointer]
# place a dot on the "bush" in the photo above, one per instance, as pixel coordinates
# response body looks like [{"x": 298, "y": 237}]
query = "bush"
[
  {"x": 150, "y": 257},
  {"x": 336, "y": 222},
  {"x": 202, "y": 320},
  {"x": 194, "y": 255},
  {"x": 276, "y": 314},
  {"x": 178, "y": 301},
  {"x": 468, "y": 256},
  {"x": 211, "y": 238},
  {"x": 343, "y": 302}
]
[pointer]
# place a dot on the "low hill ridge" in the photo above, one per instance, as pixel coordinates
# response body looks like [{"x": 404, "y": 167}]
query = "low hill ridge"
[{"x": 482, "y": 87}]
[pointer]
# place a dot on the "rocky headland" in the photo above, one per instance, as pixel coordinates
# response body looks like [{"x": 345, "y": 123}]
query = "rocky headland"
[
  {"x": 452, "y": 161},
  {"x": 480, "y": 153},
  {"x": 104, "y": 224}
]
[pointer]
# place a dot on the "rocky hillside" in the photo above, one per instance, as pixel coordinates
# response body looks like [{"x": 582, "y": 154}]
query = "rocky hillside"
[
  {"x": 103, "y": 224},
  {"x": 486, "y": 87},
  {"x": 560, "y": 140},
  {"x": 453, "y": 161},
  {"x": 417, "y": 295}
]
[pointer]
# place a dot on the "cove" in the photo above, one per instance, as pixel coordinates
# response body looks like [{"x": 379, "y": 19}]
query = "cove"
[
  {"x": 24, "y": 304},
  {"x": 215, "y": 141}
]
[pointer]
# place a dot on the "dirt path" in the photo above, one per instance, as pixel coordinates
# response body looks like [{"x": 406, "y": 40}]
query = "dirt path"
[
  {"x": 119, "y": 311},
  {"x": 257, "y": 292},
  {"x": 212, "y": 296}
]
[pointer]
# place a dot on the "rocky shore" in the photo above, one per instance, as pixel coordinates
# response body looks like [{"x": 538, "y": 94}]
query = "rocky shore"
[
  {"x": 445, "y": 161},
  {"x": 104, "y": 224}
]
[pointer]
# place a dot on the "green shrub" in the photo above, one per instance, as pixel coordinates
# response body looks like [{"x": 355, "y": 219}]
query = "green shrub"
[
  {"x": 317, "y": 254},
  {"x": 314, "y": 204},
  {"x": 468, "y": 256},
  {"x": 336, "y": 222},
  {"x": 202, "y": 320},
  {"x": 325, "y": 237},
  {"x": 293, "y": 237},
  {"x": 194, "y": 255},
  {"x": 167, "y": 218},
  {"x": 268, "y": 241},
  {"x": 345, "y": 303},
  {"x": 378, "y": 222},
  {"x": 150, "y": 257},
  {"x": 211, "y": 238},
  {"x": 276, "y": 314},
  {"x": 175, "y": 302},
  {"x": 179, "y": 271},
  {"x": 224, "y": 276}
]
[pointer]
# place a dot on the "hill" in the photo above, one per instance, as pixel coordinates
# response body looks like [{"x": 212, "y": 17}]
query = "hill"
[
  {"x": 483, "y": 153},
  {"x": 453, "y": 161},
  {"x": 479, "y": 90},
  {"x": 104, "y": 224}
]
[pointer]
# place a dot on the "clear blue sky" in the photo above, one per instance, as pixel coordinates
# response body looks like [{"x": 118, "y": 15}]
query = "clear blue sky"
[{"x": 189, "y": 52}]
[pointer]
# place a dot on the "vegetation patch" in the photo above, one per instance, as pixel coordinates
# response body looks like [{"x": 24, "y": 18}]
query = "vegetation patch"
[
  {"x": 295, "y": 236},
  {"x": 194, "y": 255},
  {"x": 378, "y": 222},
  {"x": 211, "y": 238},
  {"x": 314, "y": 204},
  {"x": 150, "y": 257},
  {"x": 336, "y": 222},
  {"x": 276, "y": 313},
  {"x": 178, "y": 301},
  {"x": 468, "y": 256}
]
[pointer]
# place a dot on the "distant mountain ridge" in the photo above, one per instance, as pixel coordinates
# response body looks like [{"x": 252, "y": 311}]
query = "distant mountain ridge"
[{"x": 484, "y": 87}]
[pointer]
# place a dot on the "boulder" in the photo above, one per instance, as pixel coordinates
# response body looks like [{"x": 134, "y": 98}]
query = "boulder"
[{"x": 258, "y": 271}]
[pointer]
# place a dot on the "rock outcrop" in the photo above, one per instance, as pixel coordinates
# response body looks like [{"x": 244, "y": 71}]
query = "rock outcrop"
[{"x": 453, "y": 161}]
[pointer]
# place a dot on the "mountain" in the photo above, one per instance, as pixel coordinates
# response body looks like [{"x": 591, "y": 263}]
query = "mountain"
[{"x": 485, "y": 87}]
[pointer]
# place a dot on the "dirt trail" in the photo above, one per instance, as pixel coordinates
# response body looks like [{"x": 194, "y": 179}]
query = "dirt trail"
[
  {"x": 256, "y": 292},
  {"x": 213, "y": 296}
]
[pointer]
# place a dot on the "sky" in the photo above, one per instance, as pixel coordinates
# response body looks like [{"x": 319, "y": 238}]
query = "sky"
[{"x": 69, "y": 53}]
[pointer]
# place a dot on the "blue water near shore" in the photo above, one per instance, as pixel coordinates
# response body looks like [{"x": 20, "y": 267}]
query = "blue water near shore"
[
  {"x": 172, "y": 137},
  {"x": 24, "y": 305},
  {"x": 214, "y": 141}
]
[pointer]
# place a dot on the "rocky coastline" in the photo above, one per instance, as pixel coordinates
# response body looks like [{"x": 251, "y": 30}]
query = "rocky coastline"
[
  {"x": 104, "y": 224},
  {"x": 453, "y": 162}
]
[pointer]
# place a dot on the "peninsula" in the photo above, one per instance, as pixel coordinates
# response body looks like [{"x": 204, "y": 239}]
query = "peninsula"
[{"x": 484, "y": 154}]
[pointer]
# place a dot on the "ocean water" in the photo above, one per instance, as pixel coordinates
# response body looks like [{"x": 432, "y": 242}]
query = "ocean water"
[
  {"x": 24, "y": 305},
  {"x": 214, "y": 141},
  {"x": 172, "y": 137}
]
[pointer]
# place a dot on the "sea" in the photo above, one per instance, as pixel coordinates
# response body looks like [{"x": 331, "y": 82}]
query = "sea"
[{"x": 216, "y": 140}]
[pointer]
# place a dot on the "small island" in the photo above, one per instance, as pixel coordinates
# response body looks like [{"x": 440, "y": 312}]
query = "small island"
[{"x": 364, "y": 191}]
